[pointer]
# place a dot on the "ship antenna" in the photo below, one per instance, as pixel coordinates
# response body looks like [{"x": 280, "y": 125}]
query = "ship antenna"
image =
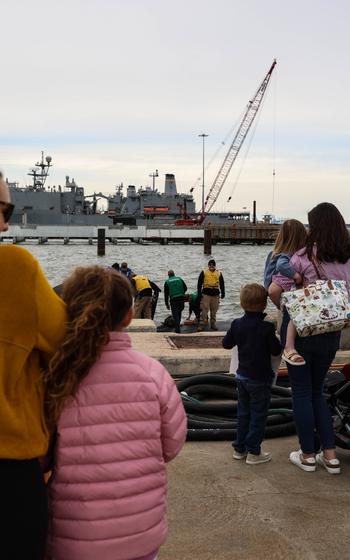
[
  {"x": 154, "y": 175},
  {"x": 39, "y": 177}
]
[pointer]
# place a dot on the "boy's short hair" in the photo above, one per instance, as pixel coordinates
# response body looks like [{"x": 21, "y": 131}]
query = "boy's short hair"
[{"x": 253, "y": 297}]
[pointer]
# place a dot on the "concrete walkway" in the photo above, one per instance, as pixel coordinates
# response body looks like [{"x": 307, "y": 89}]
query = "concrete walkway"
[{"x": 221, "y": 509}]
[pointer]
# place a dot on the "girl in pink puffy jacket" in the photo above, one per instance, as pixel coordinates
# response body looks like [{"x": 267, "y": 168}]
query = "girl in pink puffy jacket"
[{"x": 118, "y": 418}]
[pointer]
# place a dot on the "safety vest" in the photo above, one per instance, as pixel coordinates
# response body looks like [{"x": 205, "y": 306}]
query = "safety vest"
[
  {"x": 211, "y": 279},
  {"x": 141, "y": 283},
  {"x": 176, "y": 287}
]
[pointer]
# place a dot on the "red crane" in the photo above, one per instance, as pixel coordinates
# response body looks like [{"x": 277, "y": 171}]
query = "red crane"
[{"x": 237, "y": 142}]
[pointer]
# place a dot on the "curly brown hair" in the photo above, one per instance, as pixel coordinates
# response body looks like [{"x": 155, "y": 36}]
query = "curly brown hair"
[{"x": 97, "y": 301}]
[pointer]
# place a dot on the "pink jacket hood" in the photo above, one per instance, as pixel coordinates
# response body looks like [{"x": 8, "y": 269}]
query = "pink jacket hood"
[{"x": 108, "y": 490}]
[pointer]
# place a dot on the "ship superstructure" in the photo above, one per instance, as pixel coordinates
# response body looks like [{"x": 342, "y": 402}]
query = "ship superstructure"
[{"x": 38, "y": 204}]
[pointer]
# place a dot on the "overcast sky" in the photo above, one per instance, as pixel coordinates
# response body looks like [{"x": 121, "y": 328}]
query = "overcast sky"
[{"x": 114, "y": 89}]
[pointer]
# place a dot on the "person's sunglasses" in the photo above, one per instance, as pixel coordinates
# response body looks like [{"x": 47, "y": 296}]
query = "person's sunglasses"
[{"x": 7, "y": 210}]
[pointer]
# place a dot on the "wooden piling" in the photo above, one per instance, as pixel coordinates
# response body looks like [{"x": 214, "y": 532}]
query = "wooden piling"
[
  {"x": 101, "y": 242},
  {"x": 207, "y": 242}
]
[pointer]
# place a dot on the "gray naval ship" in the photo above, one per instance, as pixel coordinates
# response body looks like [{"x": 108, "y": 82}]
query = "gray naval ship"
[{"x": 38, "y": 204}]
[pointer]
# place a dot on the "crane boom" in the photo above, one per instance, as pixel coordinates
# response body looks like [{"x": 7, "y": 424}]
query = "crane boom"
[{"x": 246, "y": 123}]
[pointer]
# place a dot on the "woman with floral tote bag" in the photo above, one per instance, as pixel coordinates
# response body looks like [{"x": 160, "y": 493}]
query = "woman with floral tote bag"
[{"x": 328, "y": 243}]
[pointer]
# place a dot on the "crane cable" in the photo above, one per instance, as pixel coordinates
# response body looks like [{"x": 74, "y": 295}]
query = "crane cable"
[
  {"x": 246, "y": 151},
  {"x": 249, "y": 146},
  {"x": 240, "y": 131},
  {"x": 274, "y": 147},
  {"x": 237, "y": 142}
]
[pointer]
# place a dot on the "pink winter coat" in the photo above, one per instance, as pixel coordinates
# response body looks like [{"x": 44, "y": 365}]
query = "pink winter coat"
[{"x": 108, "y": 490}]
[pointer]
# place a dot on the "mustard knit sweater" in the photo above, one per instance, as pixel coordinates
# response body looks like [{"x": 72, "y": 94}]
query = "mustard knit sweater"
[{"x": 32, "y": 323}]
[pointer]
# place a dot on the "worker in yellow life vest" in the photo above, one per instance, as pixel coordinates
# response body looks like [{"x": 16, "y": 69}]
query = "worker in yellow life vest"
[
  {"x": 210, "y": 285},
  {"x": 143, "y": 292}
]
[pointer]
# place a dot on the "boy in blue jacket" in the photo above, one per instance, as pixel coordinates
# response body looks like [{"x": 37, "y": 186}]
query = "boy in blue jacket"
[{"x": 256, "y": 342}]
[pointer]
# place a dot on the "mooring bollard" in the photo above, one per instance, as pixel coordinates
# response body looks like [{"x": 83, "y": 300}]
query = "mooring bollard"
[
  {"x": 101, "y": 242},
  {"x": 207, "y": 242}
]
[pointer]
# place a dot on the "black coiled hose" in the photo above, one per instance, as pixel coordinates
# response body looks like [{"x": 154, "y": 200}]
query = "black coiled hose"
[{"x": 218, "y": 420}]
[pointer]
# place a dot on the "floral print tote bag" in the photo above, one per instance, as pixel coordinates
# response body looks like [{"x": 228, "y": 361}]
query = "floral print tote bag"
[{"x": 320, "y": 307}]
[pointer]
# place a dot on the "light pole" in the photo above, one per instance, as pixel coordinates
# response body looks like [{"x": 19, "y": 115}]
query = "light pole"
[
  {"x": 203, "y": 136},
  {"x": 154, "y": 175}
]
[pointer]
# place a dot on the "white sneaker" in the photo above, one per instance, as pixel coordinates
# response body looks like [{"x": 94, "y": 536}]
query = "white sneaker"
[
  {"x": 308, "y": 465},
  {"x": 239, "y": 456},
  {"x": 331, "y": 465},
  {"x": 264, "y": 457}
]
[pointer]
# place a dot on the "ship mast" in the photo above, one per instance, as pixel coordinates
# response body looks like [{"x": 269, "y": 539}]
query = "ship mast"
[{"x": 40, "y": 175}]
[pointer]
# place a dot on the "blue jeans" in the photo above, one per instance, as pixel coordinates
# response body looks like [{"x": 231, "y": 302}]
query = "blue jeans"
[
  {"x": 253, "y": 404},
  {"x": 311, "y": 412}
]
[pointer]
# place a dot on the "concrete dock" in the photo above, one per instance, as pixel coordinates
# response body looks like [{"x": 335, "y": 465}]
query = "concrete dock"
[
  {"x": 163, "y": 234},
  {"x": 183, "y": 361},
  {"x": 113, "y": 233},
  {"x": 195, "y": 357},
  {"x": 221, "y": 509}
]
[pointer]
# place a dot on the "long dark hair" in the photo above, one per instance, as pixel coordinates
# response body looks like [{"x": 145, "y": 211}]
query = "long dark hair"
[
  {"x": 97, "y": 300},
  {"x": 329, "y": 232}
]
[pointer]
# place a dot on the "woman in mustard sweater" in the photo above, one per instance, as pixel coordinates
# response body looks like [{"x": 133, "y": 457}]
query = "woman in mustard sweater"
[{"x": 32, "y": 324}]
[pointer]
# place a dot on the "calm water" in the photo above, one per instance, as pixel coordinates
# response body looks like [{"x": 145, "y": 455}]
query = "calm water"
[{"x": 239, "y": 264}]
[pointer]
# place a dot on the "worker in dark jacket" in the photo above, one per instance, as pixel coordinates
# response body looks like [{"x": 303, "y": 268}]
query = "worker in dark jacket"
[
  {"x": 210, "y": 285},
  {"x": 175, "y": 289},
  {"x": 194, "y": 306},
  {"x": 125, "y": 270},
  {"x": 143, "y": 289}
]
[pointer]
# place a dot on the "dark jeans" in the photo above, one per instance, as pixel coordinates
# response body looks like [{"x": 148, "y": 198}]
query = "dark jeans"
[
  {"x": 177, "y": 306},
  {"x": 23, "y": 510},
  {"x": 196, "y": 309},
  {"x": 311, "y": 412},
  {"x": 253, "y": 404}
]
